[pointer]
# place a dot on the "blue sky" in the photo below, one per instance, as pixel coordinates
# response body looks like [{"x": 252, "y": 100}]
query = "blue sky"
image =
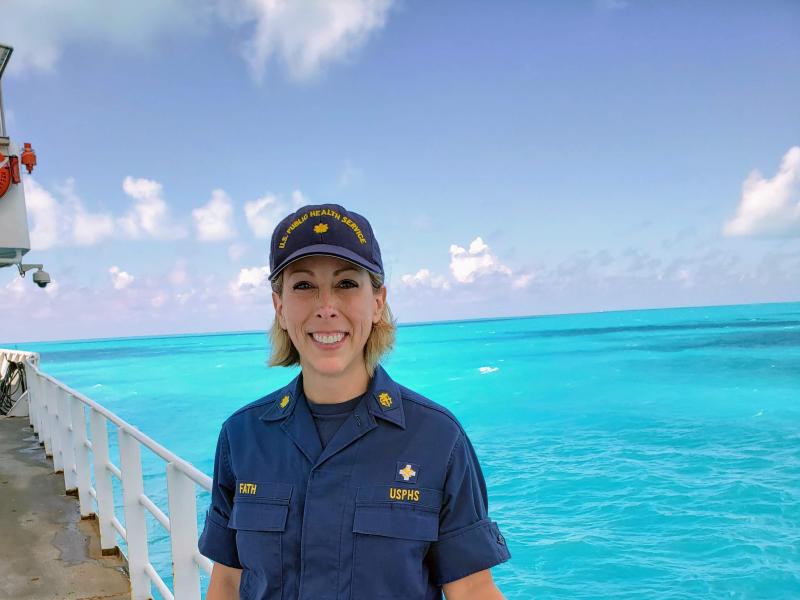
[{"x": 514, "y": 158}]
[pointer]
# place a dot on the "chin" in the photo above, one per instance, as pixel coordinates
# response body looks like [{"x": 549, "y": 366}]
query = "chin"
[{"x": 328, "y": 366}]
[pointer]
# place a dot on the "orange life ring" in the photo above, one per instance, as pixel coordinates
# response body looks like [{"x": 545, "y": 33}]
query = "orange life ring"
[
  {"x": 5, "y": 179},
  {"x": 5, "y": 175}
]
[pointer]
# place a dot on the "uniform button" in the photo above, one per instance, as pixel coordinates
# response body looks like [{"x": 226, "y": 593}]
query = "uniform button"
[{"x": 500, "y": 539}]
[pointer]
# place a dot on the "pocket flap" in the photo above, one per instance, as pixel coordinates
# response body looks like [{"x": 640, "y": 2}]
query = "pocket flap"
[
  {"x": 258, "y": 516},
  {"x": 278, "y": 493},
  {"x": 394, "y": 494},
  {"x": 397, "y": 521}
]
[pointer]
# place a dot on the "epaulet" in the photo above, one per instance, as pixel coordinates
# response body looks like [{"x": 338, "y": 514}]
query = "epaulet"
[
  {"x": 265, "y": 402},
  {"x": 421, "y": 400}
]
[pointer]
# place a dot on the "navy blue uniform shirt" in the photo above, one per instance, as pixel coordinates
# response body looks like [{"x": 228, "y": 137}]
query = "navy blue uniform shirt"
[{"x": 392, "y": 508}]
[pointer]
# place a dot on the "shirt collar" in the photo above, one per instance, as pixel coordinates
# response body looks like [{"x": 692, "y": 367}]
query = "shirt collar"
[
  {"x": 283, "y": 401},
  {"x": 382, "y": 398}
]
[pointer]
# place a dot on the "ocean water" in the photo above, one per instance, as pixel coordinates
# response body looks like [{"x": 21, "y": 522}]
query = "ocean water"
[{"x": 639, "y": 455}]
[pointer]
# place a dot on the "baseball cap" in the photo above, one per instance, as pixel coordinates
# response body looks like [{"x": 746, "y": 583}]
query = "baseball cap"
[{"x": 327, "y": 229}]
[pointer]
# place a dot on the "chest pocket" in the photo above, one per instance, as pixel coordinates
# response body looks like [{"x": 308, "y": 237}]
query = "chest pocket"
[
  {"x": 391, "y": 539},
  {"x": 259, "y": 514}
]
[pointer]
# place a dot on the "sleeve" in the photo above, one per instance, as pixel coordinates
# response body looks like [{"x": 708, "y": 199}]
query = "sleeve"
[
  {"x": 468, "y": 540},
  {"x": 217, "y": 542}
]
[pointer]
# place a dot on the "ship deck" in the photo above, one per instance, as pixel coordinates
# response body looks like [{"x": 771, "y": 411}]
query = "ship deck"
[{"x": 46, "y": 550}]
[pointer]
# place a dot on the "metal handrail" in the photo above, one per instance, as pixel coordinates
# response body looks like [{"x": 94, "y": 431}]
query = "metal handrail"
[{"x": 58, "y": 416}]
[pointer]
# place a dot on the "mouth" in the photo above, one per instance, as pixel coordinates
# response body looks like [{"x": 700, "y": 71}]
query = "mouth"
[{"x": 329, "y": 339}]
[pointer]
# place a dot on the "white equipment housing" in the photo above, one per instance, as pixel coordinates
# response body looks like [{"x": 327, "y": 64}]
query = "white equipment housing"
[{"x": 14, "y": 237}]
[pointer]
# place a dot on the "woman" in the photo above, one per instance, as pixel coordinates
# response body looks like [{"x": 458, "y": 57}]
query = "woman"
[{"x": 343, "y": 484}]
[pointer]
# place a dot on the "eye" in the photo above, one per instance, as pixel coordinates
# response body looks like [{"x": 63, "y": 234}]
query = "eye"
[
  {"x": 348, "y": 284},
  {"x": 302, "y": 285}
]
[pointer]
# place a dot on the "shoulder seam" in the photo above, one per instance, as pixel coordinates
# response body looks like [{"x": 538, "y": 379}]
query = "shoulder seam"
[
  {"x": 459, "y": 440},
  {"x": 432, "y": 406},
  {"x": 226, "y": 450},
  {"x": 252, "y": 405}
]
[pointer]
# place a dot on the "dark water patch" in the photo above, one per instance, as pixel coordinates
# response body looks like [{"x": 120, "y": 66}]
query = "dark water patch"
[
  {"x": 640, "y": 331},
  {"x": 138, "y": 339},
  {"x": 107, "y": 354},
  {"x": 749, "y": 341},
  {"x": 647, "y": 330}
]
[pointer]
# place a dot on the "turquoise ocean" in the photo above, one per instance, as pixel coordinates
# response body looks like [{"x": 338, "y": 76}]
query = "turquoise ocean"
[{"x": 647, "y": 454}]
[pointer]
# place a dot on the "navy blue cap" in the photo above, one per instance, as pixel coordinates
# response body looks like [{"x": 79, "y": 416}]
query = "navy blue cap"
[{"x": 327, "y": 229}]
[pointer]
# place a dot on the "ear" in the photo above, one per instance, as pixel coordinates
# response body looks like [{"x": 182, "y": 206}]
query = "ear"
[
  {"x": 380, "y": 302},
  {"x": 278, "y": 304}
]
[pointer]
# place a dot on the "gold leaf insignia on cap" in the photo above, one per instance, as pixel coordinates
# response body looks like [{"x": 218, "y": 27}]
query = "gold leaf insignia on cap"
[{"x": 320, "y": 228}]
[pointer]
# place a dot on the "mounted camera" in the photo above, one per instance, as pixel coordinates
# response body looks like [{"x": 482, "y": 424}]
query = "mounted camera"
[{"x": 41, "y": 278}]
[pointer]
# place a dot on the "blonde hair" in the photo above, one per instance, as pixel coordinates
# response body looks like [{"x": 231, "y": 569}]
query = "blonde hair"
[{"x": 379, "y": 342}]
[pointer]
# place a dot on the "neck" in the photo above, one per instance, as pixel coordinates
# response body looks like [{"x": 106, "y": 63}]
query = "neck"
[{"x": 332, "y": 389}]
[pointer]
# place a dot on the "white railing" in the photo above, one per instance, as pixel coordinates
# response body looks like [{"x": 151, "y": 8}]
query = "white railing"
[{"x": 58, "y": 415}]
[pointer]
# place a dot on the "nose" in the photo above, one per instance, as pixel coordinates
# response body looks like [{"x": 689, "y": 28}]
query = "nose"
[{"x": 326, "y": 306}]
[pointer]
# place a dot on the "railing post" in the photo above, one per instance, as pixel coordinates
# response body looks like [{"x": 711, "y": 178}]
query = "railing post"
[
  {"x": 55, "y": 427},
  {"x": 67, "y": 442},
  {"x": 102, "y": 481},
  {"x": 183, "y": 534},
  {"x": 44, "y": 436},
  {"x": 135, "y": 522},
  {"x": 33, "y": 395},
  {"x": 81, "y": 454}
]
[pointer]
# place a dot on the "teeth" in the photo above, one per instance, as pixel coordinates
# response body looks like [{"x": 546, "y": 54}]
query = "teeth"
[{"x": 328, "y": 339}]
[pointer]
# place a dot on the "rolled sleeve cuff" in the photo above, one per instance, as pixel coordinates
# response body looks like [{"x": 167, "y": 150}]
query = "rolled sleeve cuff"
[
  {"x": 218, "y": 543},
  {"x": 466, "y": 551}
]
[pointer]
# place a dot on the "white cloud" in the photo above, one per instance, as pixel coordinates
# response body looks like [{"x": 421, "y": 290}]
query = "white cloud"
[
  {"x": 52, "y": 288},
  {"x": 149, "y": 216},
  {"x": 298, "y": 199},
  {"x": 250, "y": 280},
  {"x": 304, "y": 34},
  {"x": 87, "y": 228},
  {"x": 60, "y": 218},
  {"x": 40, "y": 29},
  {"x": 467, "y": 265},
  {"x": 16, "y": 287},
  {"x": 64, "y": 222},
  {"x": 770, "y": 207},
  {"x": 45, "y": 213},
  {"x": 424, "y": 278},
  {"x": 120, "y": 278},
  {"x": 263, "y": 214},
  {"x": 522, "y": 281},
  {"x": 214, "y": 221},
  {"x": 90, "y": 229}
]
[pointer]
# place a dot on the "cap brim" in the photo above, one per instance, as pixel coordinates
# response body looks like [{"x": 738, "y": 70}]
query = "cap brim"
[{"x": 325, "y": 250}]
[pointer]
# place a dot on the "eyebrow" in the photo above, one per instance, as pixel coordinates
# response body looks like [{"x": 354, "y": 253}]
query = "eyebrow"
[{"x": 335, "y": 273}]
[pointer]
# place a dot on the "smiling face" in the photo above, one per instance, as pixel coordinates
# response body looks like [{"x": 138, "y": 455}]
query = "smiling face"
[{"x": 328, "y": 306}]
